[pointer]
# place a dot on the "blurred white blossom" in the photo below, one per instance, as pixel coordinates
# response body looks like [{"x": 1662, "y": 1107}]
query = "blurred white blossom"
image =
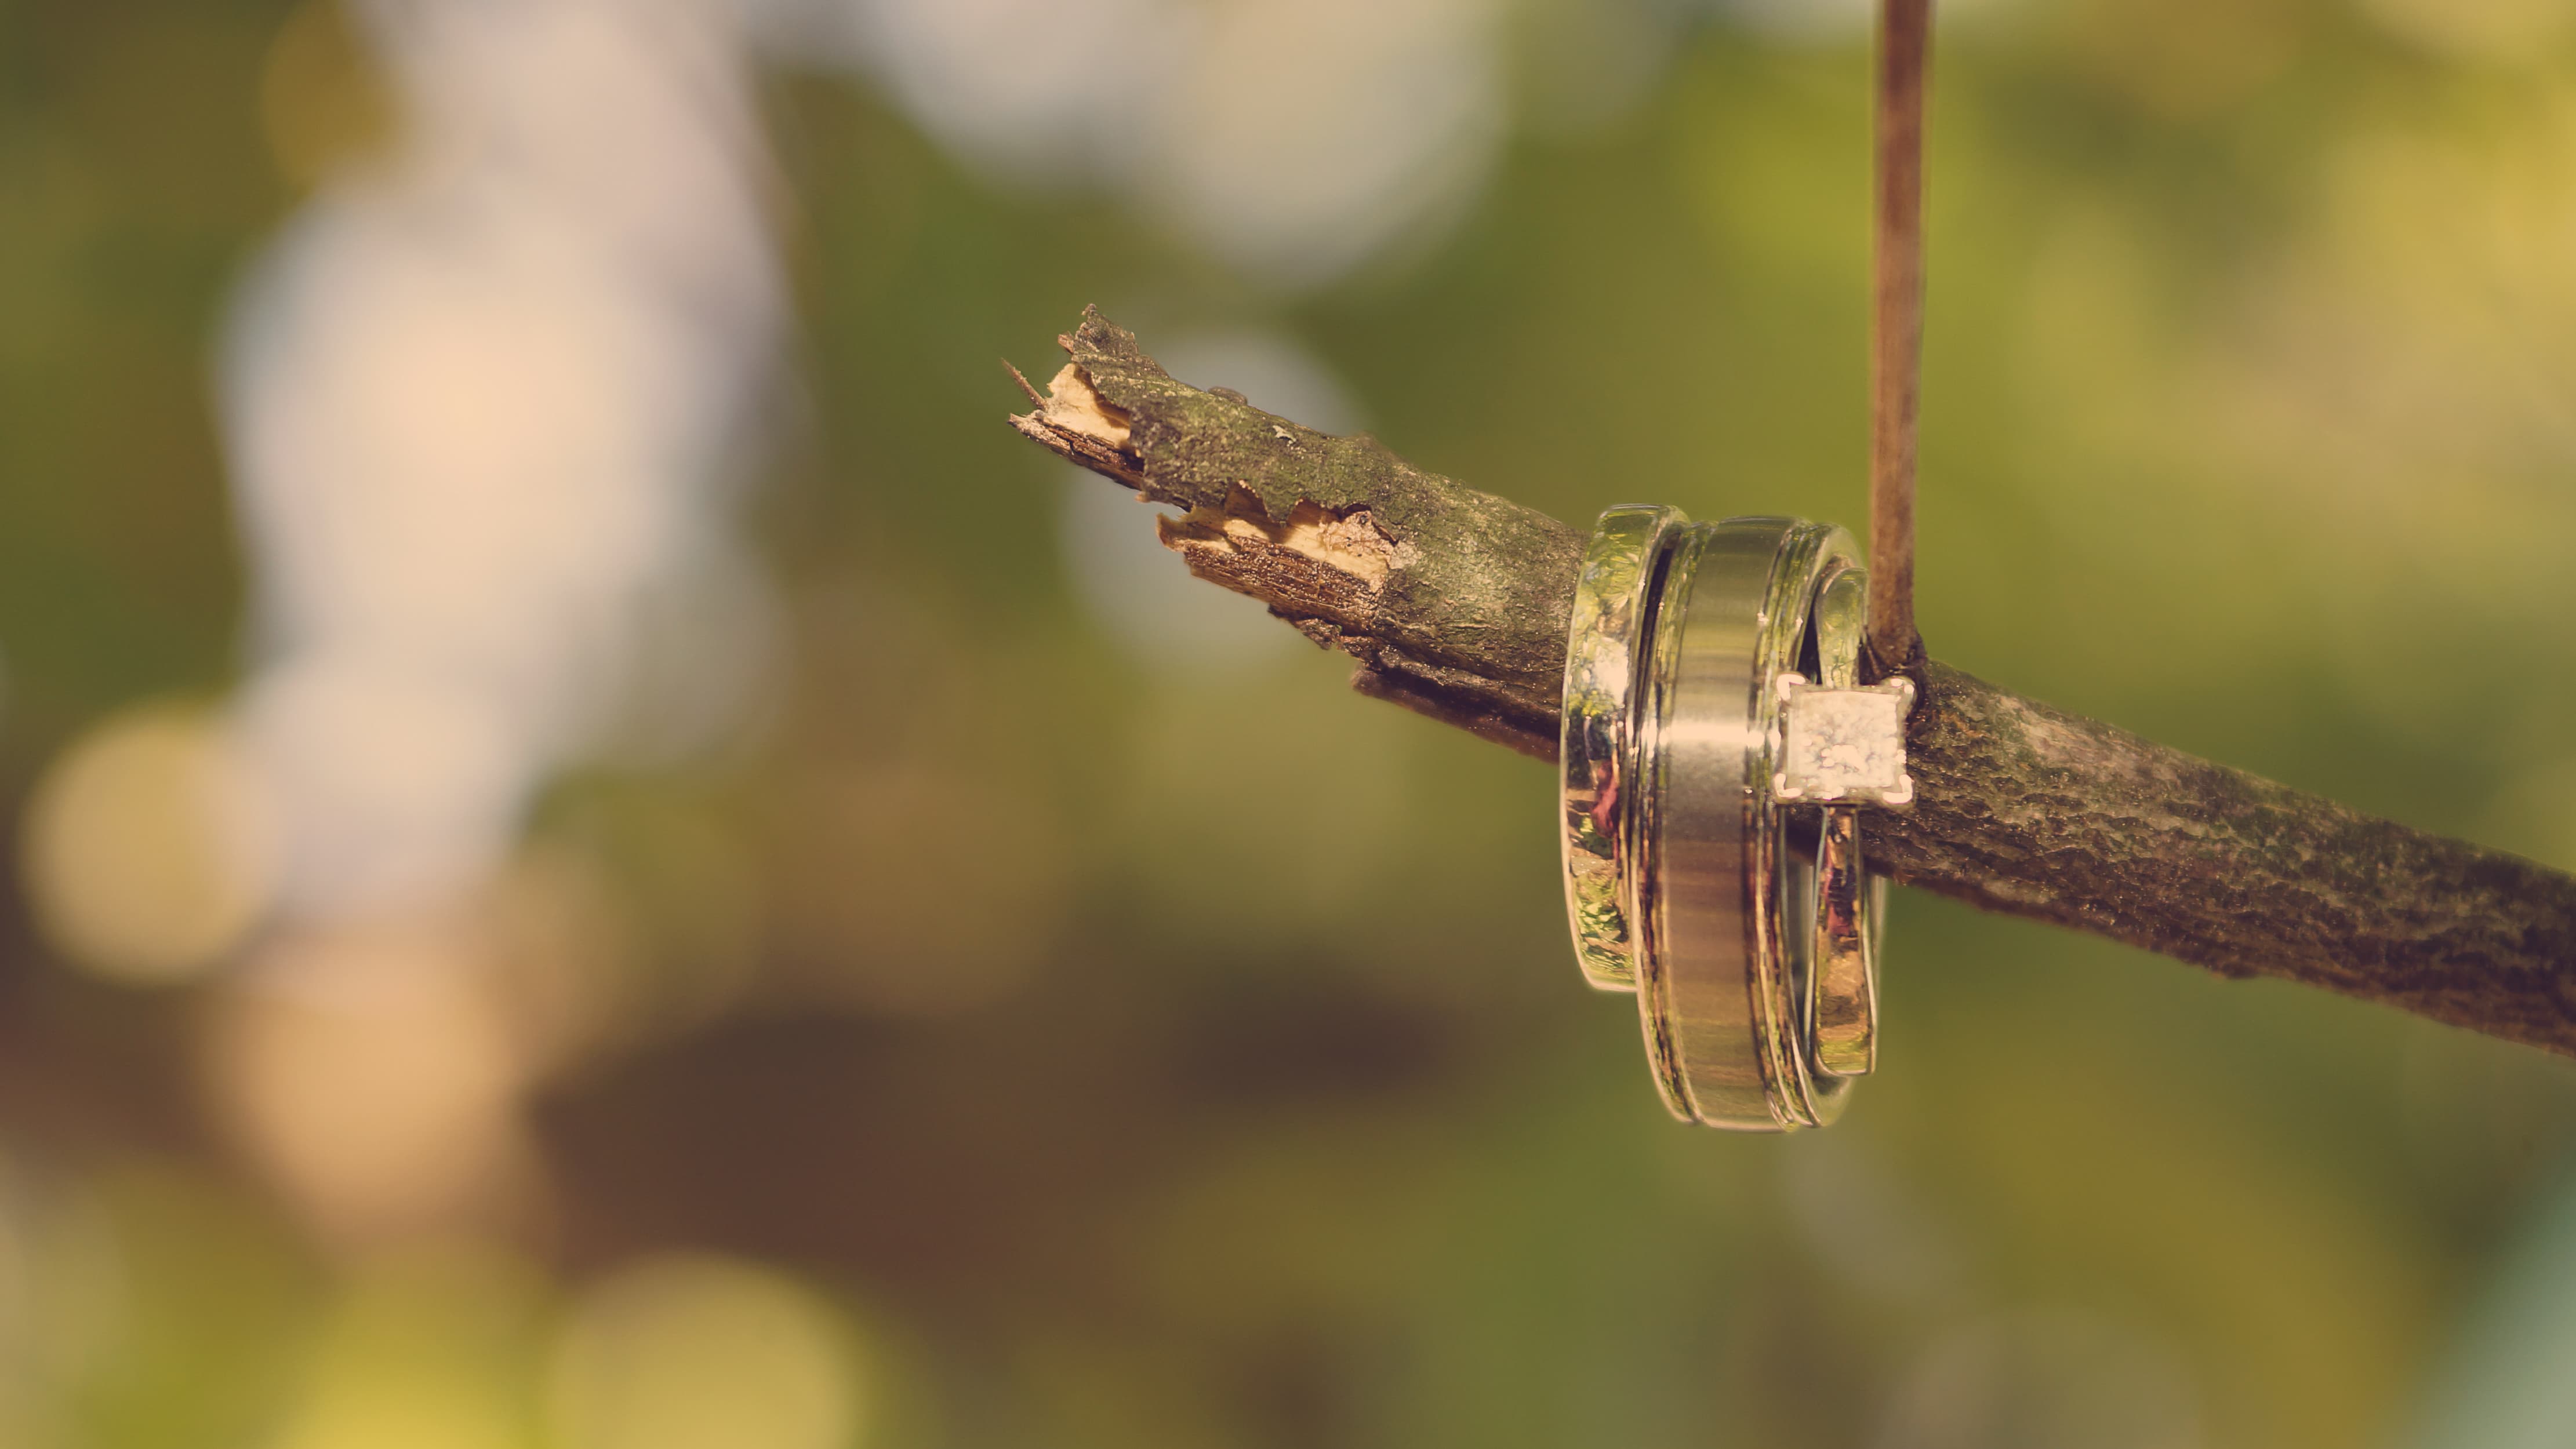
[
  {"x": 1292, "y": 142},
  {"x": 482, "y": 398}
]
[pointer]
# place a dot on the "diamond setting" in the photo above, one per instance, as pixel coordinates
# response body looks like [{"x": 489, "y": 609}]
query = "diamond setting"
[{"x": 1843, "y": 745}]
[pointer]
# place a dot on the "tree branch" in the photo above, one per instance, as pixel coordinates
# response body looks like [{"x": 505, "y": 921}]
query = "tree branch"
[{"x": 1455, "y": 604}]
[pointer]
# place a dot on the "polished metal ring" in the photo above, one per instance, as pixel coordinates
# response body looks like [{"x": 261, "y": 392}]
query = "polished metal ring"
[
  {"x": 1850, "y": 903},
  {"x": 1596, "y": 749},
  {"x": 1724, "y": 984}
]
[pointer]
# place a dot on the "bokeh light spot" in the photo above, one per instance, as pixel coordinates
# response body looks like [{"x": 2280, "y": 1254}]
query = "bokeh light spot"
[
  {"x": 427, "y": 1350},
  {"x": 2502, "y": 31},
  {"x": 703, "y": 1353},
  {"x": 149, "y": 855}
]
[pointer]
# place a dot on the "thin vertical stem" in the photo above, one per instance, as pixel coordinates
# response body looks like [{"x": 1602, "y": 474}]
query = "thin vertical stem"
[{"x": 1896, "y": 333}]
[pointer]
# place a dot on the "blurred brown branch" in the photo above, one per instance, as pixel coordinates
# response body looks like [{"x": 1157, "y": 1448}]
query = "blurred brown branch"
[
  {"x": 1455, "y": 604},
  {"x": 1896, "y": 333}
]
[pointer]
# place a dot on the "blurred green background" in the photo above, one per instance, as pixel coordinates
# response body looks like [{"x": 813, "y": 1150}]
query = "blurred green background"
[{"x": 1052, "y": 1011}]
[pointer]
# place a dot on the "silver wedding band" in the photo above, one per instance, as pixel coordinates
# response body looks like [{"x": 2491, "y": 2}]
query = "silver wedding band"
[{"x": 1596, "y": 745}]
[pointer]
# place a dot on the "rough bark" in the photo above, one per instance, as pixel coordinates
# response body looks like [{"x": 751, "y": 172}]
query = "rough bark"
[{"x": 1454, "y": 602}]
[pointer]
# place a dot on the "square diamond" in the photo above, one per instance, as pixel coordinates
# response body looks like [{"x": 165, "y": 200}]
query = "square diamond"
[{"x": 1839, "y": 743}]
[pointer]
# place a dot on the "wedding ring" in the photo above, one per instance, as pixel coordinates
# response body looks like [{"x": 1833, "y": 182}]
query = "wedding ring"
[
  {"x": 1723, "y": 983},
  {"x": 1596, "y": 750},
  {"x": 1843, "y": 986}
]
